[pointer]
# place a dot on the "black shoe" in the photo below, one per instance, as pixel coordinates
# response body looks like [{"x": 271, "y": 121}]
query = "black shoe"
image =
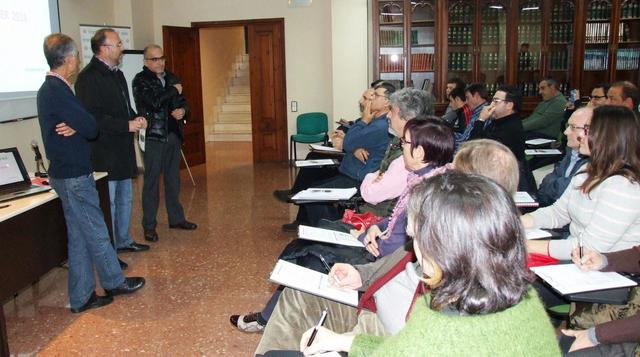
[
  {"x": 150, "y": 235},
  {"x": 186, "y": 225},
  {"x": 123, "y": 265},
  {"x": 134, "y": 247},
  {"x": 290, "y": 227},
  {"x": 247, "y": 323},
  {"x": 283, "y": 195},
  {"x": 129, "y": 286},
  {"x": 94, "y": 301}
]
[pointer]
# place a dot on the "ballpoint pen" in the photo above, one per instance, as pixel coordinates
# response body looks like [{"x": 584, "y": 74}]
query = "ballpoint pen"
[{"x": 315, "y": 329}]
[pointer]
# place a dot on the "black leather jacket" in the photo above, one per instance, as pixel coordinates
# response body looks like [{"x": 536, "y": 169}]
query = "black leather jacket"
[{"x": 156, "y": 102}]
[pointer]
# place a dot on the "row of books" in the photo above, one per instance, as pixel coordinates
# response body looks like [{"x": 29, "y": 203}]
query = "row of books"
[
  {"x": 529, "y": 33},
  {"x": 624, "y": 33},
  {"x": 396, "y": 37},
  {"x": 419, "y": 62},
  {"x": 490, "y": 61},
  {"x": 459, "y": 61},
  {"x": 459, "y": 35},
  {"x": 492, "y": 34},
  {"x": 563, "y": 12},
  {"x": 528, "y": 61},
  {"x": 561, "y": 33},
  {"x": 628, "y": 59},
  {"x": 599, "y": 11},
  {"x": 596, "y": 59},
  {"x": 597, "y": 32},
  {"x": 630, "y": 10},
  {"x": 461, "y": 14},
  {"x": 559, "y": 60}
]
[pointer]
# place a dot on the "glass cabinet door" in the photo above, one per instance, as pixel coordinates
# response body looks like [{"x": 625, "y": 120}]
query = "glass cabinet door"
[
  {"x": 597, "y": 37},
  {"x": 529, "y": 47},
  {"x": 460, "y": 34},
  {"x": 422, "y": 48},
  {"x": 628, "y": 53},
  {"x": 493, "y": 45},
  {"x": 560, "y": 39},
  {"x": 391, "y": 59}
]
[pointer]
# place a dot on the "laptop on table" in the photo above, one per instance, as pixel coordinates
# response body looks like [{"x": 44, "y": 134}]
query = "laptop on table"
[{"x": 14, "y": 179}]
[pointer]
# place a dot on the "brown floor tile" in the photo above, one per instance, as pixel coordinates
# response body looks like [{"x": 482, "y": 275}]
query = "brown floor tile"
[{"x": 195, "y": 280}]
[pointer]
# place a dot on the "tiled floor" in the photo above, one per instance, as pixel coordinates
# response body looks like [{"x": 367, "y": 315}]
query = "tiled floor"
[{"x": 195, "y": 280}]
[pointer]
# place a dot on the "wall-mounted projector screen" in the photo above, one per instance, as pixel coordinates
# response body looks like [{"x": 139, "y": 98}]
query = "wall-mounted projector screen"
[{"x": 25, "y": 24}]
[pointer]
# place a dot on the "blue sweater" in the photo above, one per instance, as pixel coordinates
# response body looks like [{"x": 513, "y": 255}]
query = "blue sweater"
[
  {"x": 374, "y": 137},
  {"x": 69, "y": 156}
]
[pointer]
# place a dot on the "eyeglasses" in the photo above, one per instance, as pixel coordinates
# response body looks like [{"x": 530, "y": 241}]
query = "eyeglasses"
[
  {"x": 574, "y": 128},
  {"x": 404, "y": 141},
  {"x": 376, "y": 94},
  {"x": 596, "y": 97},
  {"x": 498, "y": 100},
  {"x": 119, "y": 45},
  {"x": 155, "y": 59},
  {"x": 586, "y": 129}
]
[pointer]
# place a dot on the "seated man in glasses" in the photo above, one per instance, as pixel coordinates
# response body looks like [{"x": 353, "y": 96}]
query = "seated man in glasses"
[{"x": 159, "y": 98}]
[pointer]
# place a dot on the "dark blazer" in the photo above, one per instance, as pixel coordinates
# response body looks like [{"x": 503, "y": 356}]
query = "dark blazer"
[
  {"x": 156, "y": 102},
  {"x": 507, "y": 130},
  {"x": 105, "y": 95}
]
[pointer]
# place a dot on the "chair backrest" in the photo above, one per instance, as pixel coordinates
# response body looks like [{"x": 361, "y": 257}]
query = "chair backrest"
[{"x": 312, "y": 123}]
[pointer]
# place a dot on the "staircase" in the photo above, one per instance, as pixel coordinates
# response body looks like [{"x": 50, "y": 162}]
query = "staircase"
[{"x": 232, "y": 119}]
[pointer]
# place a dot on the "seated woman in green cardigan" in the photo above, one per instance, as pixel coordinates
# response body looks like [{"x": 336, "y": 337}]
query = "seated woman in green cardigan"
[{"x": 473, "y": 254}]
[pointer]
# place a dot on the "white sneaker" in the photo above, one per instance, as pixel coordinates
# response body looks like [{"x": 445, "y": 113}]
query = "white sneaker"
[{"x": 247, "y": 323}]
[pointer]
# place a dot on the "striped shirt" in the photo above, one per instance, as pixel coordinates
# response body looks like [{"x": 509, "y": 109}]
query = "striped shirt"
[{"x": 607, "y": 219}]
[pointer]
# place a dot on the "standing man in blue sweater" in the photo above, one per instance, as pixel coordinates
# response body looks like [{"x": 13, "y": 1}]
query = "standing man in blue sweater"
[{"x": 66, "y": 130}]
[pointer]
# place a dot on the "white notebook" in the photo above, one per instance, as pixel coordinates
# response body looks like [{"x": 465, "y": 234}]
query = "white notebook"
[
  {"x": 317, "y": 147},
  {"x": 539, "y": 141},
  {"x": 312, "y": 282},
  {"x": 310, "y": 163},
  {"x": 568, "y": 279},
  {"x": 325, "y": 194},
  {"x": 327, "y": 236},
  {"x": 541, "y": 152},
  {"x": 535, "y": 233}
]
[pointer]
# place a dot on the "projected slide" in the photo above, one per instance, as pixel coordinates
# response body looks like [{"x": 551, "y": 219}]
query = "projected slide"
[{"x": 24, "y": 25}]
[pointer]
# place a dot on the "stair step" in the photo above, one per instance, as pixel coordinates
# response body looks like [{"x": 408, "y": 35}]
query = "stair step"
[
  {"x": 240, "y": 81},
  {"x": 236, "y": 108},
  {"x": 241, "y": 66},
  {"x": 230, "y": 117},
  {"x": 238, "y": 99},
  {"x": 229, "y": 137},
  {"x": 239, "y": 89},
  {"x": 232, "y": 127}
]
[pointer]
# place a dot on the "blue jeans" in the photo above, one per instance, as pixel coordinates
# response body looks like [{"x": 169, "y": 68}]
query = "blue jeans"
[
  {"x": 121, "y": 198},
  {"x": 88, "y": 239}
]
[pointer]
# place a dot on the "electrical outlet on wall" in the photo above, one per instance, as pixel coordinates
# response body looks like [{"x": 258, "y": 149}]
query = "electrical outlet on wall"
[{"x": 294, "y": 106}]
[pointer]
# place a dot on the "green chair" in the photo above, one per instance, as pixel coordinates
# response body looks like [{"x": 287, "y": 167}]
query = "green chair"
[{"x": 310, "y": 128}]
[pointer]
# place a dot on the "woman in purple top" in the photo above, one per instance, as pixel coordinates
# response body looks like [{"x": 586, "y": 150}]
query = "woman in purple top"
[{"x": 427, "y": 148}]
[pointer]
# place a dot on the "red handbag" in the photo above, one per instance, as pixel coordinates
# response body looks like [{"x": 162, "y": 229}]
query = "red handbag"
[{"x": 360, "y": 220}]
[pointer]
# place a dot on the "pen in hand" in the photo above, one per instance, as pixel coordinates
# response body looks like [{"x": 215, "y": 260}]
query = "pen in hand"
[
  {"x": 315, "y": 329},
  {"x": 324, "y": 262}
]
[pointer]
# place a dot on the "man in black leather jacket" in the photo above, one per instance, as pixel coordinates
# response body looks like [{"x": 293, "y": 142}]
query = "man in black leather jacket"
[{"x": 158, "y": 96}]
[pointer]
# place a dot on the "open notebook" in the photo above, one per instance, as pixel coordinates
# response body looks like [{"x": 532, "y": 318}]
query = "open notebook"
[
  {"x": 312, "y": 282},
  {"x": 327, "y": 236},
  {"x": 568, "y": 279}
]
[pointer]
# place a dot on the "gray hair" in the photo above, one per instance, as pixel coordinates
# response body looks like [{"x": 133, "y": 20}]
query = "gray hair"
[
  {"x": 151, "y": 46},
  {"x": 552, "y": 83},
  {"x": 413, "y": 103},
  {"x": 57, "y": 47}
]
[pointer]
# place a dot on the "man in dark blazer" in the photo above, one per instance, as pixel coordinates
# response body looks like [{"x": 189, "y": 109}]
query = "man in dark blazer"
[{"x": 102, "y": 88}]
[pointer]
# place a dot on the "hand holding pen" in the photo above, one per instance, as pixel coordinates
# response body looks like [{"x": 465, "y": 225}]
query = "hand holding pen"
[
  {"x": 319, "y": 339},
  {"x": 345, "y": 276},
  {"x": 590, "y": 260},
  {"x": 371, "y": 239}
]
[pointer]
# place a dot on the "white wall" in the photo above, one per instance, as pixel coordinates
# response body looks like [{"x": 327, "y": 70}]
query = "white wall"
[
  {"x": 307, "y": 41},
  {"x": 350, "y": 50}
]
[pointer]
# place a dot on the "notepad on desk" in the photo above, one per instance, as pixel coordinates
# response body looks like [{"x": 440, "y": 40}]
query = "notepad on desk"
[
  {"x": 542, "y": 152},
  {"x": 312, "y": 163},
  {"x": 325, "y": 194},
  {"x": 327, "y": 236},
  {"x": 524, "y": 199},
  {"x": 312, "y": 282},
  {"x": 569, "y": 279},
  {"x": 323, "y": 148},
  {"x": 539, "y": 141}
]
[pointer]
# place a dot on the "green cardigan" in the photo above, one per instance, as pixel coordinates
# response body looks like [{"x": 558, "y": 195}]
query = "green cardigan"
[
  {"x": 522, "y": 330},
  {"x": 547, "y": 117}
]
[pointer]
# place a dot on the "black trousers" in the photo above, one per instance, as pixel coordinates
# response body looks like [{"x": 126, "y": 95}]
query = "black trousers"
[
  {"x": 311, "y": 213},
  {"x": 162, "y": 158}
]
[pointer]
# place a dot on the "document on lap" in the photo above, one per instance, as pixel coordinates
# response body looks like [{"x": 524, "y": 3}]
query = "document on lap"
[
  {"x": 327, "y": 236},
  {"x": 323, "y": 148},
  {"x": 524, "y": 199},
  {"x": 320, "y": 162},
  {"x": 539, "y": 141},
  {"x": 542, "y": 152},
  {"x": 568, "y": 279},
  {"x": 535, "y": 233},
  {"x": 325, "y": 194},
  {"x": 312, "y": 282}
]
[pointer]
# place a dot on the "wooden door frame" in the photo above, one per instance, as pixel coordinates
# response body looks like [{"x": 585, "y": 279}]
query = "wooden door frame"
[{"x": 283, "y": 122}]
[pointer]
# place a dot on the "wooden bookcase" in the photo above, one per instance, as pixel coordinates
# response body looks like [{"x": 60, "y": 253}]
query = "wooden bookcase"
[{"x": 578, "y": 42}]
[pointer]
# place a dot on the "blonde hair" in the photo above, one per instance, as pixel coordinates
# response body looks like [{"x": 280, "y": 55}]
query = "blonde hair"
[{"x": 491, "y": 159}]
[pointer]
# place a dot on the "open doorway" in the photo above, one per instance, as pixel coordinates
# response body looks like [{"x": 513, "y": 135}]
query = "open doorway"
[
  {"x": 267, "y": 83},
  {"x": 226, "y": 98}
]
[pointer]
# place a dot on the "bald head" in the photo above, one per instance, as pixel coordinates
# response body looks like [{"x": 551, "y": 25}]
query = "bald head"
[{"x": 575, "y": 126}]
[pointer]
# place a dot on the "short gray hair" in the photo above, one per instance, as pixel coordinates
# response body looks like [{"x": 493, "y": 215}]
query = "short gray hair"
[
  {"x": 413, "y": 103},
  {"x": 151, "y": 46},
  {"x": 57, "y": 47}
]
